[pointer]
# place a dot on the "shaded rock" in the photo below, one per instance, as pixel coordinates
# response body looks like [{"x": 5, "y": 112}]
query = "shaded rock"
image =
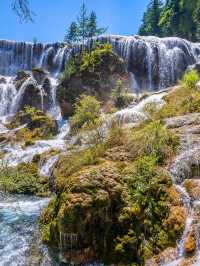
[
  {"x": 193, "y": 188},
  {"x": 35, "y": 90},
  {"x": 39, "y": 74},
  {"x": 185, "y": 120},
  {"x": 20, "y": 78},
  {"x": 190, "y": 243},
  {"x": 2, "y": 80}
]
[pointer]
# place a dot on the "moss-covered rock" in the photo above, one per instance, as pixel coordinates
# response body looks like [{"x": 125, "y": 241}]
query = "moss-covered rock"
[
  {"x": 193, "y": 188},
  {"x": 114, "y": 202},
  {"x": 37, "y": 125},
  {"x": 93, "y": 73}
]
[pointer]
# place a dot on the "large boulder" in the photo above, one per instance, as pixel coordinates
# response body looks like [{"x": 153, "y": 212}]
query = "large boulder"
[{"x": 85, "y": 76}]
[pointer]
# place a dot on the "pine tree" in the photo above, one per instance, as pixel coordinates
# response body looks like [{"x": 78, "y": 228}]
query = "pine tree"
[
  {"x": 85, "y": 27},
  {"x": 82, "y": 23},
  {"x": 170, "y": 18},
  {"x": 72, "y": 33},
  {"x": 177, "y": 19},
  {"x": 196, "y": 16},
  {"x": 92, "y": 28},
  {"x": 150, "y": 25}
]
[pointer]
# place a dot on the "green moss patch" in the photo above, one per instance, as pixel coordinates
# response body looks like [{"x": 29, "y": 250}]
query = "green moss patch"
[{"x": 23, "y": 179}]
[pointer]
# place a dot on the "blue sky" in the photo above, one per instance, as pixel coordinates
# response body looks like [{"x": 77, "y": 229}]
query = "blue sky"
[{"x": 53, "y": 17}]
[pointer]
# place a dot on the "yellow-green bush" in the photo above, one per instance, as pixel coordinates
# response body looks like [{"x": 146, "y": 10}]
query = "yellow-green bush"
[
  {"x": 190, "y": 79},
  {"x": 153, "y": 139},
  {"x": 87, "y": 114}
]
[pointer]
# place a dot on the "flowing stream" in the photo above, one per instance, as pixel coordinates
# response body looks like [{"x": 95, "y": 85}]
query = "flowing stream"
[{"x": 18, "y": 226}]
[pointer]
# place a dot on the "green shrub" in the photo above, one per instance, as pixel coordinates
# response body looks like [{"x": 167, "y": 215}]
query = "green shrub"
[
  {"x": 154, "y": 139},
  {"x": 120, "y": 96},
  {"x": 142, "y": 225},
  {"x": 23, "y": 179},
  {"x": 87, "y": 114},
  {"x": 190, "y": 79},
  {"x": 38, "y": 125},
  {"x": 70, "y": 69}
]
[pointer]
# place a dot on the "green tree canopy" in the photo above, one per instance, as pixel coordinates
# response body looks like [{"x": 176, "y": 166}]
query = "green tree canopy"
[
  {"x": 150, "y": 25},
  {"x": 85, "y": 27},
  {"x": 179, "y": 18}
]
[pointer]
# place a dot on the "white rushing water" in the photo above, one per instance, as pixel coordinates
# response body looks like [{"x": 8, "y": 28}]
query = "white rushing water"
[
  {"x": 182, "y": 169},
  {"x": 18, "y": 224},
  {"x": 134, "y": 114}
]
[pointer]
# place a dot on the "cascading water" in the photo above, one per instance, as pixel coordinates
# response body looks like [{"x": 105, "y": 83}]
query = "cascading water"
[
  {"x": 153, "y": 64},
  {"x": 156, "y": 63},
  {"x": 19, "y": 215},
  {"x": 185, "y": 168}
]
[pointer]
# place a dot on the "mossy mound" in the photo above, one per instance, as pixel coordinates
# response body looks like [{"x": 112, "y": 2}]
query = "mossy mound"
[
  {"x": 23, "y": 179},
  {"x": 92, "y": 73},
  {"x": 38, "y": 125},
  {"x": 109, "y": 207}
]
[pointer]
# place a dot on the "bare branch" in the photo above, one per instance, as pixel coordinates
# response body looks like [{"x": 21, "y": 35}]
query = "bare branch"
[{"x": 22, "y": 9}]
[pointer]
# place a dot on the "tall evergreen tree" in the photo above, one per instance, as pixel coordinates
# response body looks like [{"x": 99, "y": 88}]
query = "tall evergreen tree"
[
  {"x": 72, "y": 33},
  {"x": 92, "y": 28},
  {"x": 82, "y": 23},
  {"x": 150, "y": 25},
  {"x": 85, "y": 27},
  {"x": 196, "y": 16},
  {"x": 174, "y": 18}
]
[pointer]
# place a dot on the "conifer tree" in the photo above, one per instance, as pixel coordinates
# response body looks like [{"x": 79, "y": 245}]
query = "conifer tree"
[
  {"x": 92, "y": 28},
  {"x": 150, "y": 25},
  {"x": 72, "y": 33},
  {"x": 85, "y": 27},
  {"x": 82, "y": 23}
]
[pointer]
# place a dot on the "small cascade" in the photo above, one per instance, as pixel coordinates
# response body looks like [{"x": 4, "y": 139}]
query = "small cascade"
[
  {"x": 15, "y": 104},
  {"x": 47, "y": 167},
  {"x": 186, "y": 169},
  {"x": 134, "y": 114},
  {"x": 7, "y": 93},
  {"x": 16, "y": 153}
]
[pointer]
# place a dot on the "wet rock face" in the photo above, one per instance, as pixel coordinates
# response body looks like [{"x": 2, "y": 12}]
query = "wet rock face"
[
  {"x": 34, "y": 89},
  {"x": 98, "y": 80},
  {"x": 96, "y": 195},
  {"x": 15, "y": 56},
  {"x": 154, "y": 62}
]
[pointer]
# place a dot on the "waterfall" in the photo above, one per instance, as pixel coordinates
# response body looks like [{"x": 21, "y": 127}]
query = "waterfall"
[
  {"x": 156, "y": 63},
  {"x": 185, "y": 168},
  {"x": 15, "y": 56}
]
